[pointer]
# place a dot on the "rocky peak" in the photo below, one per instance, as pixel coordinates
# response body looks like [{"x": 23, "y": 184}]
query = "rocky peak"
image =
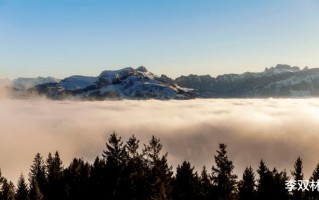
[
  {"x": 141, "y": 69},
  {"x": 282, "y": 66}
]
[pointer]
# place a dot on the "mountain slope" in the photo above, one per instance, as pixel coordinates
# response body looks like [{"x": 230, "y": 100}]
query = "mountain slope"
[
  {"x": 279, "y": 81},
  {"x": 130, "y": 83},
  {"x": 127, "y": 83},
  {"x": 26, "y": 83}
]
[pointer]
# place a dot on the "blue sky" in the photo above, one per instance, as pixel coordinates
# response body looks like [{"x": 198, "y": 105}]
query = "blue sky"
[{"x": 175, "y": 37}]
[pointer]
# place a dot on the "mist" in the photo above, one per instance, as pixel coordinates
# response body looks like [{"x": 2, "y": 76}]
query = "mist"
[{"x": 275, "y": 130}]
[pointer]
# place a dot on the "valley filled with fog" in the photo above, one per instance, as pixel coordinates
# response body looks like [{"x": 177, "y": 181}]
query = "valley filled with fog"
[{"x": 275, "y": 130}]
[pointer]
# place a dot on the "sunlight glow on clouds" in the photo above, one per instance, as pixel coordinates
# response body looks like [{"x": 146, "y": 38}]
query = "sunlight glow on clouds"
[{"x": 276, "y": 130}]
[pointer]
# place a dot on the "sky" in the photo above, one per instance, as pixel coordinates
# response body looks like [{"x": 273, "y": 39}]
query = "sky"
[{"x": 67, "y": 37}]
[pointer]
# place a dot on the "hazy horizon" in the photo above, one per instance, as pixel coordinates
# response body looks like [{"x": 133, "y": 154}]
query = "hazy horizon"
[{"x": 149, "y": 68}]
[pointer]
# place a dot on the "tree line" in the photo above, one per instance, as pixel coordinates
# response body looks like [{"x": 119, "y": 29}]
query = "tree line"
[{"x": 126, "y": 172}]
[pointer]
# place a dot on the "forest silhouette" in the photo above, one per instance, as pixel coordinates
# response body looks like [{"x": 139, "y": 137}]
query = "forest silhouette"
[{"x": 127, "y": 172}]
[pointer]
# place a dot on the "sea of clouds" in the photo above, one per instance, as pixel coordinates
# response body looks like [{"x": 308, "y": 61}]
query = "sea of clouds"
[{"x": 275, "y": 130}]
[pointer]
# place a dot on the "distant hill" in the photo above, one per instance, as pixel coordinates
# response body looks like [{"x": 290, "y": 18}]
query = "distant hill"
[
  {"x": 279, "y": 81},
  {"x": 139, "y": 83},
  {"x": 127, "y": 83},
  {"x": 26, "y": 83}
]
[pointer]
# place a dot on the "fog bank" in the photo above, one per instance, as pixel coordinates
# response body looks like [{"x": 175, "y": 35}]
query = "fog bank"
[{"x": 276, "y": 130}]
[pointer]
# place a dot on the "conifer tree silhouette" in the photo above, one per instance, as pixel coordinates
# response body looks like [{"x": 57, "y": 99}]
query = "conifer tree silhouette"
[
  {"x": 297, "y": 175},
  {"x": 222, "y": 175},
  {"x": 7, "y": 190},
  {"x": 247, "y": 186},
  {"x": 207, "y": 189},
  {"x": 116, "y": 158},
  {"x": 22, "y": 192},
  {"x": 160, "y": 173},
  {"x": 313, "y": 194},
  {"x": 55, "y": 188},
  {"x": 37, "y": 178},
  {"x": 186, "y": 184}
]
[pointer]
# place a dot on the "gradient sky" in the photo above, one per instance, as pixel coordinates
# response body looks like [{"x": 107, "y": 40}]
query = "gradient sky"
[{"x": 175, "y": 37}]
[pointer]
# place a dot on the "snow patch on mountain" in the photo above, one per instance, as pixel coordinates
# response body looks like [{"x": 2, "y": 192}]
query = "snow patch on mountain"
[
  {"x": 109, "y": 77},
  {"x": 135, "y": 83},
  {"x": 127, "y": 83},
  {"x": 278, "y": 69}
]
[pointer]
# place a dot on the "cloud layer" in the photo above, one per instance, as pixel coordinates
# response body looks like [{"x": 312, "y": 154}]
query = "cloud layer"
[{"x": 276, "y": 130}]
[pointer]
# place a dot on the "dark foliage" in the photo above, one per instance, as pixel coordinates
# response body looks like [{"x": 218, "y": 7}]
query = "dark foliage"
[
  {"x": 247, "y": 186},
  {"x": 271, "y": 184},
  {"x": 37, "y": 178},
  {"x": 314, "y": 195},
  {"x": 206, "y": 185},
  {"x": 22, "y": 190},
  {"x": 187, "y": 183},
  {"x": 7, "y": 190},
  {"x": 159, "y": 174},
  {"x": 76, "y": 178},
  {"x": 222, "y": 176},
  {"x": 126, "y": 172},
  {"x": 56, "y": 187},
  {"x": 298, "y": 175}
]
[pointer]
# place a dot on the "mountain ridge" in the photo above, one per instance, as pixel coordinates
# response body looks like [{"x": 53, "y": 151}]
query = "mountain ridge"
[
  {"x": 279, "y": 81},
  {"x": 129, "y": 83}
]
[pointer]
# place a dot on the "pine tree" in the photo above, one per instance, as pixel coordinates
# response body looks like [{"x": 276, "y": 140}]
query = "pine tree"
[
  {"x": 223, "y": 176},
  {"x": 37, "y": 178},
  {"x": 279, "y": 190},
  {"x": 132, "y": 146},
  {"x": 55, "y": 185},
  {"x": 207, "y": 189},
  {"x": 77, "y": 179},
  {"x": 2, "y": 180},
  {"x": 187, "y": 184},
  {"x": 266, "y": 183},
  {"x": 116, "y": 158},
  {"x": 160, "y": 174},
  {"x": 115, "y": 153},
  {"x": 35, "y": 192},
  {"x": 247, "y": 186},
  {"x": 298, "y": 175},
  {"x": 22, "y": 192},
  {"x": 314, "y": 195},
  {"x": 7, "y": 190},
  {"x": 133, "y": 183},
  {"x": 97, "y": 182}
]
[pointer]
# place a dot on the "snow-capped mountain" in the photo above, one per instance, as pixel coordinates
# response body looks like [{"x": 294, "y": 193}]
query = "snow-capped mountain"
[
  {"x": 139, "y": 83},
  {"x": 26, "y": 83},
  {"x": 279, "y": 81},
  {"x": 127, "y": 83}
]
